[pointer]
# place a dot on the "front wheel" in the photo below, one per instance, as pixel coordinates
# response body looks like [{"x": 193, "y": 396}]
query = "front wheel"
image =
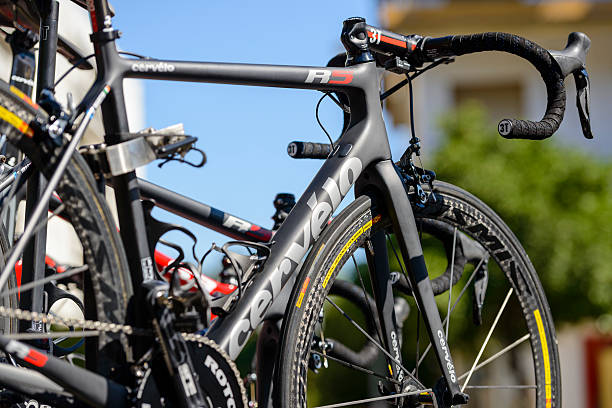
[{"x": 500, "y": 329}]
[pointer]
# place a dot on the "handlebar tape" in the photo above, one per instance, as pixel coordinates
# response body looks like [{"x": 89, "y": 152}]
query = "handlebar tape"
[
  {"x": 539, "y": 57},
  {"x": 308, "y": 150}
]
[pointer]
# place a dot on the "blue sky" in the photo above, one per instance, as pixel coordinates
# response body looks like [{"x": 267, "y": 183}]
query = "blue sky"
[{"x": 243, "y": 130}]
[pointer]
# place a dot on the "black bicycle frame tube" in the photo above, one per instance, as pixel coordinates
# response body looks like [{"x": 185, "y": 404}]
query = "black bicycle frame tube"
[
  {"x": 49, "y": 15},
  {"x": 383, "y": 295},
  {"x": 382, "y": 181},
  {"x": 92, "y": 388},
  {"x": 33, "y": 264},
  {"x": 129, "y": 210},
  {"x": 364, "y": 146},
  {"x": 205, "y": 215},
  {"x": 325, "y": 192}
]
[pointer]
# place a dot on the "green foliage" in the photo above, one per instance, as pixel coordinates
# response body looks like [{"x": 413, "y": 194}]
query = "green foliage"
[{"x": 557, "y": 200}]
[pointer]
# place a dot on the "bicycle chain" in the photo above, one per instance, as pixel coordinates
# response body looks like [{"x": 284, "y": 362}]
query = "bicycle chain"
[
  {"x": 92, "y": 324},
  {"x": 118, "y": 328}
]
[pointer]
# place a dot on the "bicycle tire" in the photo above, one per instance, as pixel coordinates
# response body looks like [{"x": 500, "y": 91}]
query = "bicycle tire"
[
  {"x": 107, "y": 287},
  {"x": 350, "y": 230}
]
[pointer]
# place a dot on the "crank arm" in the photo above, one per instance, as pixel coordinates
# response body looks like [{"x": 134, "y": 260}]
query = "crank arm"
[{"x": 176, "y": 356}]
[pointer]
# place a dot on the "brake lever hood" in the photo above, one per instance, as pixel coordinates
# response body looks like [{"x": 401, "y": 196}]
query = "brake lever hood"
[
  {"x": 573, "y": 57},
  {"x": 572, "y": 60}
]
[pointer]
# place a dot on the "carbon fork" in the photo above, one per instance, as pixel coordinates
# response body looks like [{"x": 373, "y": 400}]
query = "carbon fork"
[{"x": 383, "y": 183}]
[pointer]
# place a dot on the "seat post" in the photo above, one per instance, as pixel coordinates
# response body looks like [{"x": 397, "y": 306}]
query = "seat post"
[{"x": 49, "y": 13}]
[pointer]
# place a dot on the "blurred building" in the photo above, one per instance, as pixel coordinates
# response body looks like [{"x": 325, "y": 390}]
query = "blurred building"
[{"x": 510, "y": 87}]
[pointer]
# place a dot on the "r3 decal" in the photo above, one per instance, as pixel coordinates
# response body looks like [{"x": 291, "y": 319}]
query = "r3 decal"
[{"x": 324, "y": 76}]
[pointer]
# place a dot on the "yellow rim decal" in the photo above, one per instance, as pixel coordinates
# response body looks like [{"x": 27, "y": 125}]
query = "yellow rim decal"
[
  {"x": 303, "y": 292},
  {"x": 357, "y": 234},
  {"x": 15, "y": 121},
  {"x": 23, "y": 96},
  {"x": 538, "y": 318}
]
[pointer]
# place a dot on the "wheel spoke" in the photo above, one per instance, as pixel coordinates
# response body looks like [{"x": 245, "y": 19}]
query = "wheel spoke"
[
  {"x": 487, "y": 338},
  {"x": 496, "y": 356},
  {"x": 55, "y": 213},
  {"x": 28, "y": 286},
  {"x": 419, "y": 361},
  {"x": 52, "y": 335},
  {"x": 16, "y": 177},
  {"x": 322, "y": 334},
  {"x": 381, "y": 348},
  {"x": 418, "y": 344},
  {"x": 450, "y": 288},
  {"x": 467, "y": 284},
  {"x": 356, "y": 367},
  {"x": 364, "y": 401},
  {"x": 365, "y": 297},
  {"x": 401, "y": 265},
  {"x": 501, "y": 387}
]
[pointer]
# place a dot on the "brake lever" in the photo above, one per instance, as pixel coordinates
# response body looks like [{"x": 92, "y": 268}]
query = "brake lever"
[{"x": 583, "y": 94}]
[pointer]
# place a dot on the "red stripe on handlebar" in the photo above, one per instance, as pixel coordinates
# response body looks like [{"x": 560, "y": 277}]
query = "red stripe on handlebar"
[{"x": 393, "y": 41}]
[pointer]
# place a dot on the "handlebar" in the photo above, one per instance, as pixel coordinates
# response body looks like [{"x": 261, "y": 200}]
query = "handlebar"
[
  {"x": 435, "y": 48},
  {"x": 362, "y": 40}
]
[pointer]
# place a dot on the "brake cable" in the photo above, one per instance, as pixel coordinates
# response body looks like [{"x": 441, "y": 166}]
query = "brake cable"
[
  {"x": 331, "y": 142},
  {"x": 398, "y": 86},
  {"x": 82, "y": 60}
]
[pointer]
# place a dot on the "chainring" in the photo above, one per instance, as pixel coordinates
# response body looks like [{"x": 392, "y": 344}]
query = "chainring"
[{"x": 217, "y": 375}]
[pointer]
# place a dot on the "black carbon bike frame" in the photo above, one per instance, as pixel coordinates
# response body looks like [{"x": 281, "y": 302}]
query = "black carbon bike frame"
[{"x": 362, "y": 158}]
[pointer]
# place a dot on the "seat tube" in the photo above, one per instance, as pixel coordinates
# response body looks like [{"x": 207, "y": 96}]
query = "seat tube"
[
  {"x": 127, "y": 194},
  {"x": 33, "y": 261}
]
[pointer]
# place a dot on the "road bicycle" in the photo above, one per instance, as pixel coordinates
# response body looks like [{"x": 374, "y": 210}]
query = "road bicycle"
[
  {"x": 151, "y": 344},
  {"x": 22, "y": 42}
]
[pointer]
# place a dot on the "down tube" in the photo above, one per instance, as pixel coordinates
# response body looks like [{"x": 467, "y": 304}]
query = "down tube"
[{"x": 292, "y": 241}]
